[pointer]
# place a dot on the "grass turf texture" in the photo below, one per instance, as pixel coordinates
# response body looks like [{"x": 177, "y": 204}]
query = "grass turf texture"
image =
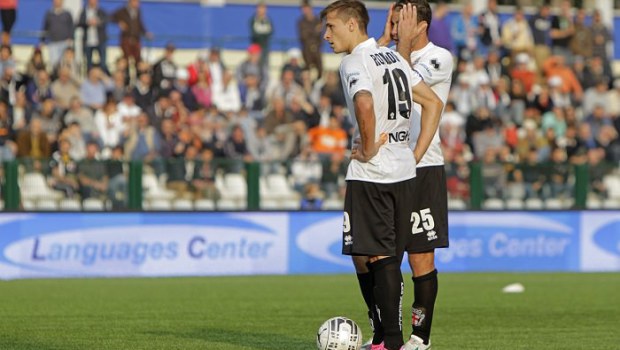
[{"x": 557, "y": 311}]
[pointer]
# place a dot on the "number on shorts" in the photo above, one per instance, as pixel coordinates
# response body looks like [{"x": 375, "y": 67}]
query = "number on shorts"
[
  {"x": 425, "y": 218},
  {"x": 346, "y": 226}
]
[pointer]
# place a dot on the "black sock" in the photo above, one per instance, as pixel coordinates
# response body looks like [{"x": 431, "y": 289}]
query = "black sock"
[
  {"x": 388, "y": 294},
  {"x": 425, "y": 292},
  {"x": 367, "y": 288}
]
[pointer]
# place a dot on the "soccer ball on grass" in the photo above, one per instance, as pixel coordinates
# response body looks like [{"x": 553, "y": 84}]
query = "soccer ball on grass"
[{"x": 339, "y": 333}]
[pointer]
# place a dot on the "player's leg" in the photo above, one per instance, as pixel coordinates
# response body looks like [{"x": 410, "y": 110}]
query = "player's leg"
[
  {"x": 367, "y": 286},
  {"x": 429, "y": 230},
  {"x": 425, "y": 288},
  {"x": 369, "y": 231}
]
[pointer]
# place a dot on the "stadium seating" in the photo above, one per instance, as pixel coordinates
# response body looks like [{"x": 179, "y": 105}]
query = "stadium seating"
[
  {"x": 333, "y": 204},
  {"x": 594, "y": 203},
  {"x": 534, "y": 204},
  {"x": 229, "y": 204},
  {"x": 47, "y": 205},
  {"x": 159, "y": 204},
  {"x": 182, "y": 204},
  {"x": 28, "y": 204},
  {"x": 514, "y": 204},
  {"x": 611, "y": 203},
  {"x": 34, "y": 186},
  {"x": 456, "y": 204},
  {"x": 1, "y": 205},
  {"x": 153, "y": 189},
  {"x": 493, "y": 204},
  {"x": 612, "y": 184},
  {"x": 93, "y": 204},
  {"x": 70, "y": 204},
  {"x": 554, "y": 204},
  {"x": 232, "y": 187},
  {"x": 204, "y": 204}
]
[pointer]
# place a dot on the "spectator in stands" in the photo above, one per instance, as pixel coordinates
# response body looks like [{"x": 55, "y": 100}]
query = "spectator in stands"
[
  {"x": 309, "y": 31},
  {"x": 65, "y": 88},
  {"x": 252, "y": 96},
  {"x": 57, "y": 31},
  {"x": 597, "y": 119},
  {"x": 560, "y": 171},
  {"x": 581, "y": 41},
  {"x": 609, "y": 141},
  {"x": 77, "y": 113},
  {"x": 164, "y": 71},
  {"x": 181, "y": 173},
  {"x": 202, "y": 92},
  {"x": 182, "y": 87},
  {"x": 226, "y": 95},
  {"x": 117, "y": 185},
  {"x": 73, "y": 134},
  {"x": 332, "y": 87},
  {"x": 92, "y": 174},
  {"x": 261, "y": 31},
  {"x": 533, "y": 175},
  {"x": 494, "y": 67},
  {"x": 465, "y": 33},
  {"x": 39, "y": 89},
  {"x": 8, "y": 14},
  {"x": 522, "y": 71},
  {"x": 596, "y": 96},
  {"x": 328, "y": 140},
  {"x": 594, "y": 72},
  {"x": 10, "y": 85},
  {"x": 22, "y": 112},
  {"x": 143, "y": 142},
  {"x": 94, "y": 89},
  {"x": 132, "y": 29},
  {"x": 585, "y": 138},
  {"x": 94, "y": 21},
  {"x": 64, "y": 170},
  {"x": 312, "y": 197},
  {"x": 490, "y": 24},
  {"x": 33, "y": 142},
  {"x": 6, "y": 57},
  {"x": 217, "y": 68},
  {"x": 236, "y": 149},
  {"x": 493, "y": 174},
  {"x": 463, "y": 95},
  {"x": 304, "y": 111},
  {"x": 143, "y": 91},
  {"x": 597, "y": 170},
  {"x": 613, "y": 100},
  {"x": 333, "y": 169},
  {"x": 51, "y": 119},
  {"x": 161, "y": 110},
  {"x": 556, "y": 66},
  {"x": 36, "y": 63},
  {"x": 601, "y": 36},
  {"x": 562, "y": 30},
  {"x": 277, "y": 116},
  {"x": 558, "y": 96},
  {"x": 517, "y": 35},
  {"x": 204, "y": 176},
  {"x": 252, "y": 67},
  {"x": 293, "y": 64},
  {"x": 485, "y": 96},
  {"x": 68, "y": 60},
  {"x": 7, "y": 146},
  {"x": 129, "y": 112},
  {"x": 439, "y": 31},
  {"x": 109, "y": 127},
  {"x": 261, "y": 149},
  {"x": 540, "y": 25},
  {"x": 306, "y": 168},
  {"x": 118, "y": 87}
]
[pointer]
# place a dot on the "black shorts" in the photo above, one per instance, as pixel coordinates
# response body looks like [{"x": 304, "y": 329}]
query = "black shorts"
[
  {"x": 376, "y": 218},
  {"x": 8, "y": 19},
  {"x": 429, "y": 219}
]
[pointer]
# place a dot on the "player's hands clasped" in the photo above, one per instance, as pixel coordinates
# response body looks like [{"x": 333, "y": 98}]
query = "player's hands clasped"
[{"x": 359, "y": 155}]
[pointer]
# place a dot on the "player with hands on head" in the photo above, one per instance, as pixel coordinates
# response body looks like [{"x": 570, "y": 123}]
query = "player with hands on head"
[
  {"x": 431, "y": 109},
  {"x": 378, "y": 85},
  {"x": 430, "y": 216}
]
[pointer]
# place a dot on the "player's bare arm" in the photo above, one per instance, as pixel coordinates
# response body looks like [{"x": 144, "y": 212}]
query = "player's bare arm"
[
  {"x": 430, "y": 116},
  {"x": 365, "y": 115}
]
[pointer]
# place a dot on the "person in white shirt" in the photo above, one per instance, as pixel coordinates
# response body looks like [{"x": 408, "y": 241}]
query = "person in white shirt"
[
  {"x": 430, "y": 215},
  {"x": 379, "y": 85}
]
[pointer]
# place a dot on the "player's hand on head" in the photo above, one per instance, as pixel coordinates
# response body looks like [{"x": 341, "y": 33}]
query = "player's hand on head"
[
  {"x": 408, "y": 26},
  {"x": 386, "y": 37}
]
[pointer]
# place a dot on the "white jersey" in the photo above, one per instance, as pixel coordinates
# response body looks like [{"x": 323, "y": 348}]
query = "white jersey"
[
  {"x": 435, "y": 65},
  {"x": 389, "y": 78}
]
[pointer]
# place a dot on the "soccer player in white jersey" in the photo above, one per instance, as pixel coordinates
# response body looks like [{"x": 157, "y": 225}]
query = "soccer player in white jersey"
[
  {"x": 379, "y": 85},
  {"x": 430, "y": 216}
]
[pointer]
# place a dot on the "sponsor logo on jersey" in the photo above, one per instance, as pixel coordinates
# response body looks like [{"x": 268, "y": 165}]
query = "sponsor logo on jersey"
[
  {"x": 399, "y": 136},
  {"x": 432, "y": 235},
  {"x": 348, "y": 240}
]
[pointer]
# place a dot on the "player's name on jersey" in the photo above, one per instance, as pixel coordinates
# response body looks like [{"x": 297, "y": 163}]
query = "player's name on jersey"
[{"x": 384, "y": 58}]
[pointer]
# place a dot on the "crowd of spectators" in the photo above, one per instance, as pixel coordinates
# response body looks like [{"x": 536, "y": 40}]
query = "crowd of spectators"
[{"x": 531, "y": 96}]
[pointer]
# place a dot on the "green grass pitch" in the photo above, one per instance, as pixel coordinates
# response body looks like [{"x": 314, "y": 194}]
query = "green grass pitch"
[{"x": 556, "y": 311}]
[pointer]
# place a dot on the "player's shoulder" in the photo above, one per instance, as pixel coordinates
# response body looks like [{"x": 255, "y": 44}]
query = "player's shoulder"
[{"x": 439, "y": 57}]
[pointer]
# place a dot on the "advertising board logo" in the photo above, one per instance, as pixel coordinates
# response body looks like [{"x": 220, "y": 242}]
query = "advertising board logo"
[
  {"x": 607, "y": 238},
  {"x": 143, "y": 244},
  {"x": 323, "y": 241},
  {"x": 501, "y": 241}
]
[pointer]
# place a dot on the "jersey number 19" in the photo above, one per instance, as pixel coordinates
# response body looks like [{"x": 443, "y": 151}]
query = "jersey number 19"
[{"x": 398, "y": 84}]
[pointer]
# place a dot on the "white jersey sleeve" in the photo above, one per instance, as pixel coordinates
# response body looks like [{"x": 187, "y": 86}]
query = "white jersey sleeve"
[
  {"x": 355, "y": 76},
  {"x": 434, "y": 64}
]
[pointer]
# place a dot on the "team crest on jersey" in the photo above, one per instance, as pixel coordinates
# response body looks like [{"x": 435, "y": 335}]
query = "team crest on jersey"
[{"x": 435, "y": 63}]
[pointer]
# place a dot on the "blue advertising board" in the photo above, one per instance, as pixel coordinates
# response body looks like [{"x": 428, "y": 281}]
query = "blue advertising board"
[{"x": 48, "y": 245}]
